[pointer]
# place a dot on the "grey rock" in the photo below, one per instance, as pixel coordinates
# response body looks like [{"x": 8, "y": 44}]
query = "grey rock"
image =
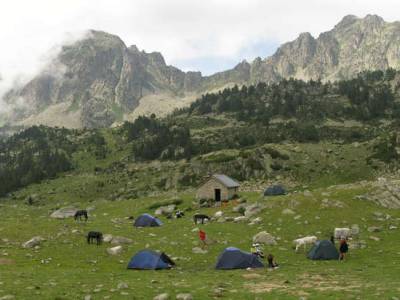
[
  {"x": 183, "y": 296},
  {"x": 33, "y": 242},
  {"x": 114, "y": 250},
  {"x": 63, "y": 213},
  {"x": 164, "y": 296},
  {"x": 264, "y": 237}
]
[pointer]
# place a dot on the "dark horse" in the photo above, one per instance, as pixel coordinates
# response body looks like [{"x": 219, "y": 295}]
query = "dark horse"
[
  {"x": 200, "y": 217},
  {"x": 81, "y": 213},
  {"x": 94, "y": 235}
]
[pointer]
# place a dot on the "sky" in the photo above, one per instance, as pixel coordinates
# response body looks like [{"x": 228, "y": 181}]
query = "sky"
[{"x": 200, "y": 35}]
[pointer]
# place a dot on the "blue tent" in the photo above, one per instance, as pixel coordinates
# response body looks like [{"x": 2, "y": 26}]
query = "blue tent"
[
  {"x": 233, "y": 258},
  {"x": 147, "y": 220},
  {"x": 324, "y": 250},
  {"x": 150, "y": 260},
  {"x": 275, "y": 190}
]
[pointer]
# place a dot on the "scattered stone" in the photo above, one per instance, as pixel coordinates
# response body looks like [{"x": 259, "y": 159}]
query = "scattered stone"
[
  {"x": 120, "y": 240},
  {"x": 374, "y": 229},
  {"x": 184, "y": 296},
  {"x": 198, "y": 250},
  {"x": 358, "y": 244},
  {"x": 63, "y": 213},
  {"x": 374, "y": 238},
  {"x": 264, "y": 237},
  {"x": 33, "y": 242},
  {"x": 218, "y": 214},
  {"x": 164, "y": 296},
  {"x": 288, "y": 211},
  {"x": 240, "y": 219},
  {"x": 114, "y": 250},
  {"x": 7, "y": 297},
  {"x": 122, "y": 285},
  {"x": 392, "y": 227},
  {"x": 256, "y": 221},
  {"x": 88, "y": 297}
]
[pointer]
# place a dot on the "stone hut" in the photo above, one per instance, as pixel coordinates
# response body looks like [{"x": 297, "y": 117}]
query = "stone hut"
[{"x": 218, "y": 187}]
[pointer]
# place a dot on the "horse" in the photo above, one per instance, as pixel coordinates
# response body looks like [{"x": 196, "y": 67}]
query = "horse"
[
  {"x": 95, "y": 235},
  {"x": 201, "y": 217},
  {"x": 81, "y": 213}
]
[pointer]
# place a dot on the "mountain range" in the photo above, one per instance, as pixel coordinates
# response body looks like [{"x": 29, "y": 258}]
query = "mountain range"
[{"x": 99, "y": 81}]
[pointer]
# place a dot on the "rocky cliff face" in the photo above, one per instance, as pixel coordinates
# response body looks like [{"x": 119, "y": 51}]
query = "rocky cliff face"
[
  {"x": 354, "y": 45},
  {"x": 99, "y": 81},
  {"x": 100, "y": 78}
]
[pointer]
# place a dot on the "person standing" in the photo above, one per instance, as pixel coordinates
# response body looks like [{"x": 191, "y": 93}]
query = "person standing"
[
  {"x": 202, "y": 236},
  {"x": 343, "y": 248},
  {"x": 271, "y": 262}
]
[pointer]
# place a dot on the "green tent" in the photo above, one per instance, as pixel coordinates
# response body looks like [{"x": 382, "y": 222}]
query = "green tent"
[{"x": 323, "y": 250}]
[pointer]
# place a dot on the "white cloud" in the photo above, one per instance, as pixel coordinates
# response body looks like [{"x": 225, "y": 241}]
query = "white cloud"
[{"x": 186, "y": 32}]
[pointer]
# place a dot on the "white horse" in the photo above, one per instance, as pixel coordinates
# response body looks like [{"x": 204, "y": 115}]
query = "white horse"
[{"x": 304, "y": 241}]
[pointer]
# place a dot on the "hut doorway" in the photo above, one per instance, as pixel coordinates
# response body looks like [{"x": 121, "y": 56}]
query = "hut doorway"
[{"x": 217, "y": 194}]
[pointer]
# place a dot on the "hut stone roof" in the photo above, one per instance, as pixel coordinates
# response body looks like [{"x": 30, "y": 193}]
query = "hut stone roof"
[{"x": 225, "y": 180}]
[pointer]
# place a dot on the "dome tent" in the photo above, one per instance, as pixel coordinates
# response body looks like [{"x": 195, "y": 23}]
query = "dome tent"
[
  {"x": 275, "y": 190},
  {"x": 234, "y": 258},
  {"x": 150, "y": 260},
  {"x": 324, "y": 250},
  {"x": 147, "y": 220}
]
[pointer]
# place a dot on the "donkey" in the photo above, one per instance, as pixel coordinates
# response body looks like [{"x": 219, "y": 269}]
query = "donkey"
[
  {"x": 200, "y": 217},
  {"x": 94, "y": 235},
  {"x": 81, "y": 213}
]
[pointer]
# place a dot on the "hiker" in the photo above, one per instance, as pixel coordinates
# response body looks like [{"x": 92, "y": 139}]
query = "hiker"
[
  {"x": 271, "y": 262},
  {"x": 256, "y": 250},
  {"x": 343, "y": 248},
  {"x": 332, "y": 239},
  {"x": 202, "y": 236}
]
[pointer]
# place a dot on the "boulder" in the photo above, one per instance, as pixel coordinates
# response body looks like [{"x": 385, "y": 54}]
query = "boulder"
[
  {"x": 355, "y": 230},
  {"x": 374, "y": 238},
  {"x": 120, "y": 240},
  {"x": 184, "y": 297},
  {"x": 114, "y": 250},
  {"x": 33, "y": 242},
  {"x": 253, "y": 210},
  {"x": 165, "y": 210},
  {"x": 239, "y": 207},
  {"x": 288, "y": 211},
  {"x": 63, "y": 213},
  {"x": 264, "y": 237},
  {"x": 163, "y": 296},
  {"x": 218, "y": 214},
  {"x": 107, "y": 238}
]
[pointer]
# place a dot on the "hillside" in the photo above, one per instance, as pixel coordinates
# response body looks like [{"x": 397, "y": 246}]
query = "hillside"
[
  {"x": 99, "y": 81},
  {"x": 297, "y": 132}
]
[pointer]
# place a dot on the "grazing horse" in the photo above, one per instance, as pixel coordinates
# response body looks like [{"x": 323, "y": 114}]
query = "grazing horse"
[
  {"x": 200, "y": 217},
  {"x": 81, "y": 213},
  {"x": 94, "y": 235}
]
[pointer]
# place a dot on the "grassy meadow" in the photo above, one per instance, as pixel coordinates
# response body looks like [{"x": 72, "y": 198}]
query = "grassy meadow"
[{"x": 66, "y": 267}]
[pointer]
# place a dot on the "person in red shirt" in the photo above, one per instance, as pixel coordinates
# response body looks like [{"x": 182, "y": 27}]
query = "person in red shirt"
[{"x": 202, "y": 236}]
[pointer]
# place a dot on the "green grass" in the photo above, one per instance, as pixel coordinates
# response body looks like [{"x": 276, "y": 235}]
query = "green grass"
[{"x": 77, "y": 269}]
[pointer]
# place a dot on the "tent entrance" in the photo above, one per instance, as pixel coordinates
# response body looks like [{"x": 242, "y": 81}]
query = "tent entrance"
[{"x": 217, "y": 194}]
